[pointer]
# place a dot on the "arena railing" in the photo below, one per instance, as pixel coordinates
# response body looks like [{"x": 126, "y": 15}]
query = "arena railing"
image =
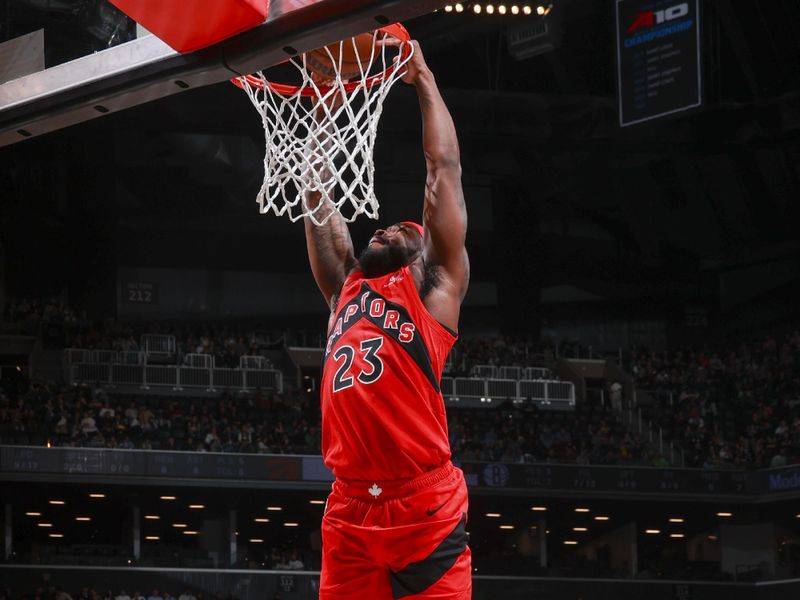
[
  {"x": 535, "y": 373},
  {"x": 476, "y": 392},
  {"x": 199, "y": 372},
  {"x": 510, "y": 372},
  {"x": 199, "y": 361},
  {"x": 485, "y": 371},
  {"x": 76, "y": 355},
  {"x": 104, "y": 356},
  {"x": 159, "y": 347},
  {"x": 131, "y": 357},
  {"x": 254, "y": 363}
]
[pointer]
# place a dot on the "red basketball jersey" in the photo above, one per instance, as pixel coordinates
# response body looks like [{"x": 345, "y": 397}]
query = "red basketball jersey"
[{"x": 383, "y": 415}]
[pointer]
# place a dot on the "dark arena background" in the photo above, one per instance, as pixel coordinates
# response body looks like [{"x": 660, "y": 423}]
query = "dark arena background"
[{"x": 624, "y": 398}]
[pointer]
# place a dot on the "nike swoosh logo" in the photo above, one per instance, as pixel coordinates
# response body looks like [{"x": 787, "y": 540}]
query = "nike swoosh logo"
[{"x": 435, "y": 510}]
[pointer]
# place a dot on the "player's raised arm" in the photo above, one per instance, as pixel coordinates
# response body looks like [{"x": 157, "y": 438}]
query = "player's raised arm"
[
  {"x": 330, "y": 249},
  {"x": 444, "y": 212}
]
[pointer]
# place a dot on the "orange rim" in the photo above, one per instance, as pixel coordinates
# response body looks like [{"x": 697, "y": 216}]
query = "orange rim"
[{"x": 395, "y": 30}]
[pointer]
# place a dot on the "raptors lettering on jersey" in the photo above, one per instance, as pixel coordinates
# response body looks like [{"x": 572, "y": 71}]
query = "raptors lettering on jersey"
[{"x": 383, "y": 415}]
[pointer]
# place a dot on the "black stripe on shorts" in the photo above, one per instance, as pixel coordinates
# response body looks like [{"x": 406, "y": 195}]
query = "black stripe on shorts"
[{"x": 419, "y": 576}]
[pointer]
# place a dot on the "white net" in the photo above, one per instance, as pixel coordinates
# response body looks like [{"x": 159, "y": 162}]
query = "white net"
[{"x": 320, "y": 136}]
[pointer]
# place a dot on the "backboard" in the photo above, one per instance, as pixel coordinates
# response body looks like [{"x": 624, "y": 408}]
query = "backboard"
[{"x": 98, "y": 61}]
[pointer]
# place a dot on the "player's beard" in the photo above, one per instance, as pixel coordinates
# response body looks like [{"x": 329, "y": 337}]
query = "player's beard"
[{"x": 380, "y": 260}]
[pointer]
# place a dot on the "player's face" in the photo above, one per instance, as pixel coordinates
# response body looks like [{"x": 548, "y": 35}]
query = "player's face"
[{"x": 389, "y": 249}]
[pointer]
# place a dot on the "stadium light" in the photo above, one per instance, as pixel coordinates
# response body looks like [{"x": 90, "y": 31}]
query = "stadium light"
[
  {"x": 570, "y": 543},
  {"x": 44, "y": 524},
  {"x": 256, "y": 541},
  {"x": 676, "y": 535},
  {"x": 515, "y": 10},
  {"x": 447, "y": 8},
  {"x": 291, "y": 524},
  {"x": 652, "y": 531},
  {"x": 526, "y": 10},
  {"x": 261, "y": 520},
  {"x": 33, "y": 514},
  {"x": 476, "y": 8},
  {"x": 169, "y": 497},
  {"x": 501, "y": 9},
  {"x": 601, "y": 518},
  {"x": 152, "y": 538},
  {"x": 179, "y": 525},
  {"x": 56, "y": 502},
  {"x": 493, "y": 515},
  {"x": 97, "y": 495},
  {"x": 490, "y": 9},
  {"x": 152, "y": 517},
  {"x": 459, "y": 7},
  {"x": 83, "y": 519},
  {"x": 539, "y": 508},
  {"x": 56, "y": 535},
  {"x": 189, "y": 532},
  {"x": 506, "y": 527},
  {"x": 580, "y": 529},
  {"x": 197, "y": 506},
  {"x": 724, "y": 515},
  {"x": 316, "y": 501},
  {"x": 676, "y": 520},
  {"x": 582, "y": 510}
]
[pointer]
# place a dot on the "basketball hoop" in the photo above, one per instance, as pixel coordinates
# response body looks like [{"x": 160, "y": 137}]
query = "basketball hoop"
[{"x": 321, "y": 137}]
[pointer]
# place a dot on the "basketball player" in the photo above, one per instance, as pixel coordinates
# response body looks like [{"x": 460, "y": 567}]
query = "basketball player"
[{"x": 394, "y": 524}]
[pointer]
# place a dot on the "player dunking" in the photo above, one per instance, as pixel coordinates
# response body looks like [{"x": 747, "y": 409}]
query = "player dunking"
[{"x": 394, "y": 524}]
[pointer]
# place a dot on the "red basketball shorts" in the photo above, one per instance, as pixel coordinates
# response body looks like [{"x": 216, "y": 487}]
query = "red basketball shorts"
[{"x": 387, "y": 540}]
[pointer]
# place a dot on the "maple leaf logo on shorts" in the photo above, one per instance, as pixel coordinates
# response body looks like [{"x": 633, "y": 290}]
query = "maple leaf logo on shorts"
[{"x": 375, "y": 490}]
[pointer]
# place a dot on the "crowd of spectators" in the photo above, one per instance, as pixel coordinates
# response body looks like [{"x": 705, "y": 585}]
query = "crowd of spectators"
[
  {"x": 289, "y": 423},
  {"x": 734, "y": 408},
  {"x": 263, "y": 422},
  {"x": 63, "y": 327},
  {"x": 54, "y": 592},
  {"x": 587, "y": 436},
  {"x": 226, "y": 343},
  {"x": 515, "y": 351},
  {"x": 496, "y": 351},
  {"x": 29, "y": 316},
  {"x": 737, "y": 407}
]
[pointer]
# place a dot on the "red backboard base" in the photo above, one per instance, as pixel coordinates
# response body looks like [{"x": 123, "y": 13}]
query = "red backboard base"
[{"x": 190, "y": 26}]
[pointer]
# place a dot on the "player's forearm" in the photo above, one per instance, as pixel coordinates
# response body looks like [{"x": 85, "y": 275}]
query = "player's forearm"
[
  {"x": 439, "y": 139},
  {"x": 331, "y": 240},
  {"x": 330, "y": 249},
  {"x": 444, "y": 199},
  {"x": 332, "y": 237}
]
